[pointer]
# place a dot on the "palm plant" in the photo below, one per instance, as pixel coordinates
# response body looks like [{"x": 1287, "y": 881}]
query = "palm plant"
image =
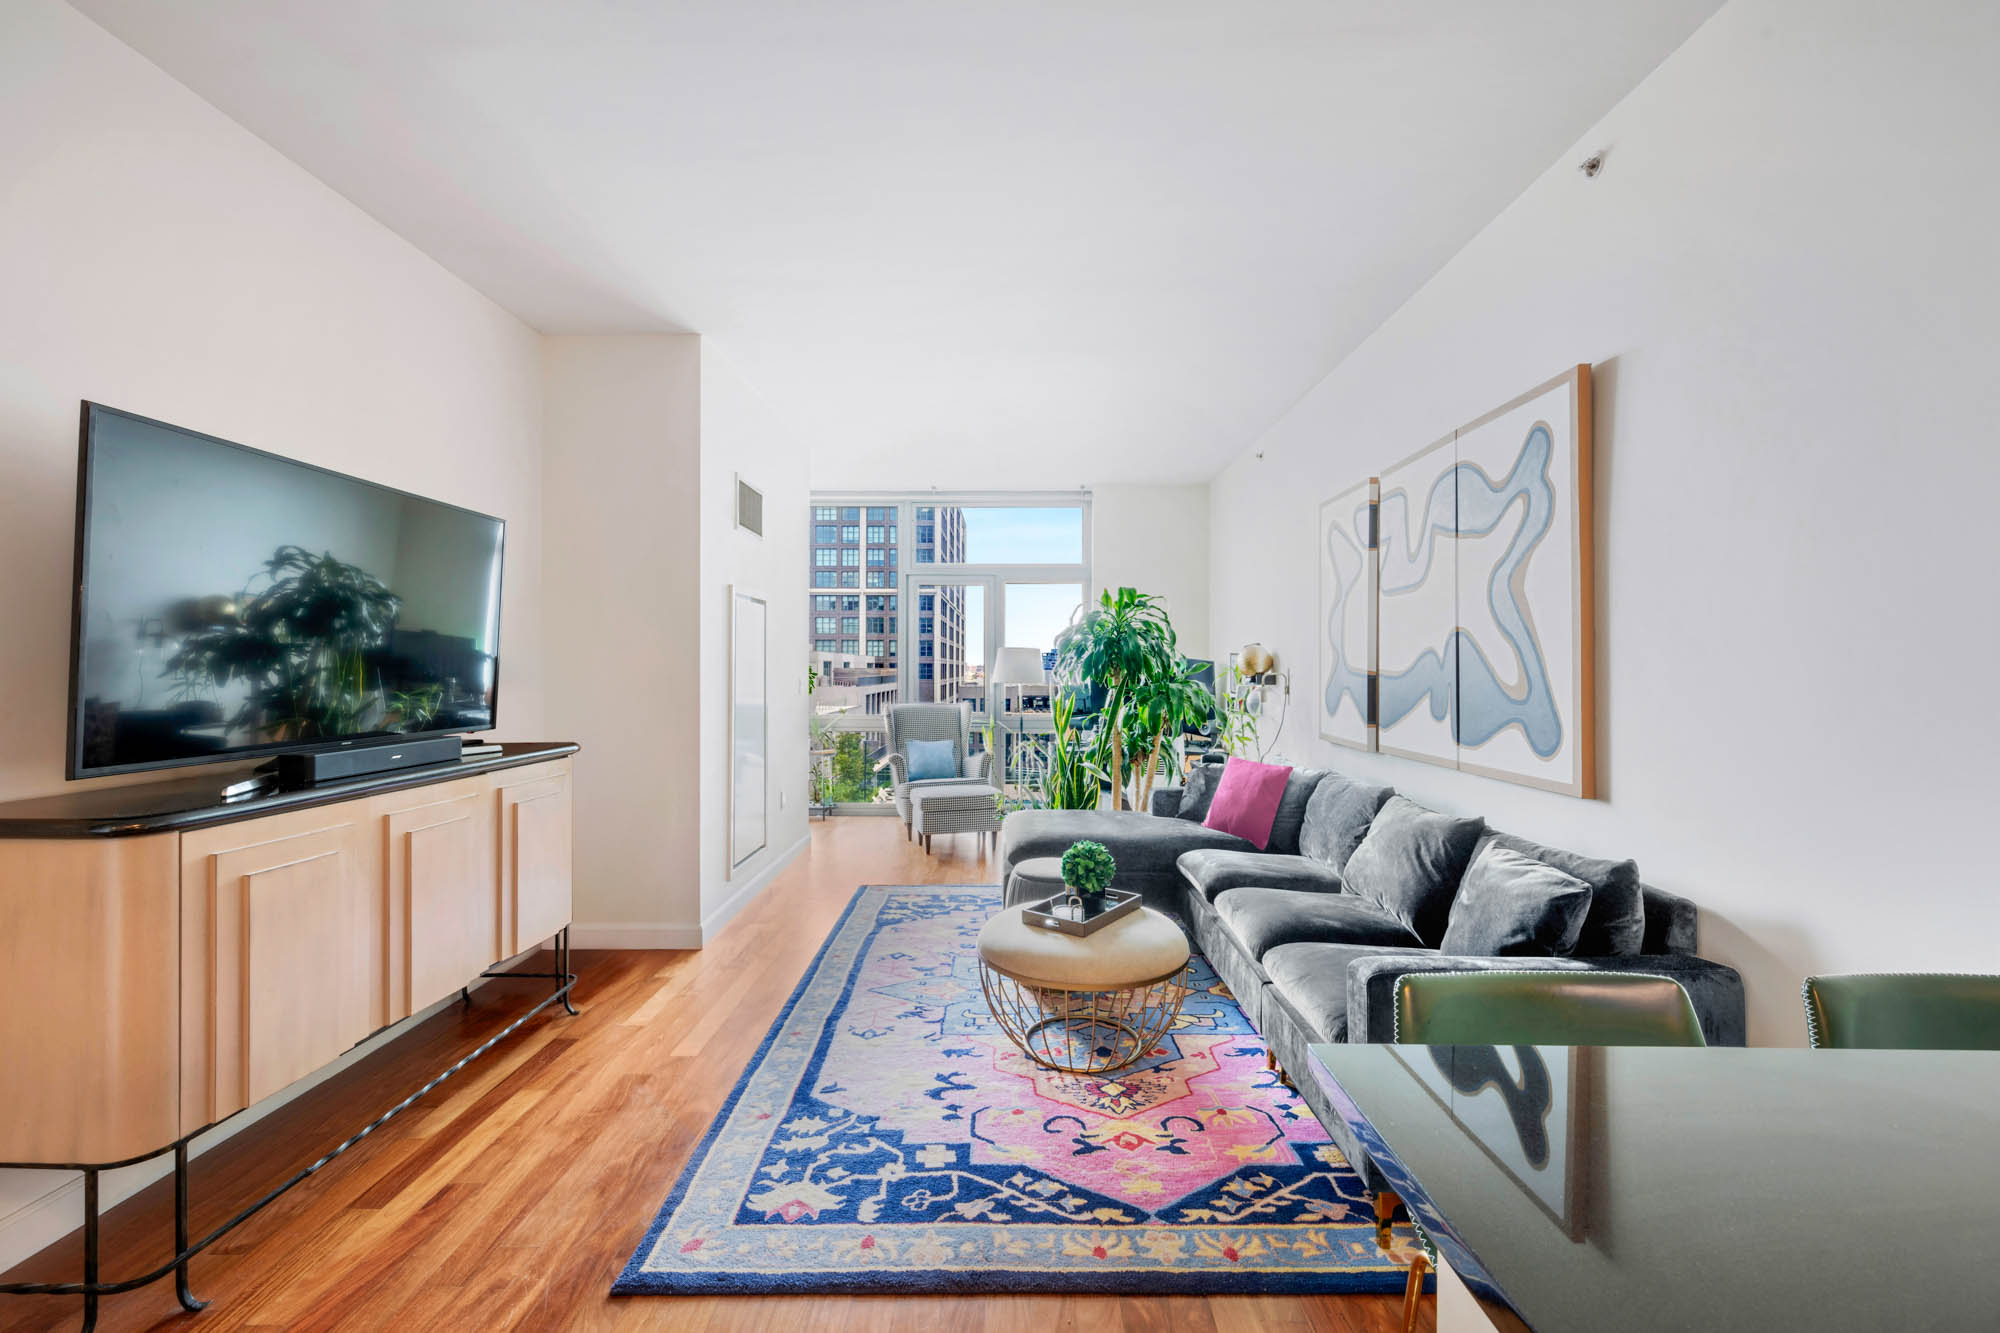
[
  {"x": 1118, "y": 645},
  {"x": 1161, "y": 708}
]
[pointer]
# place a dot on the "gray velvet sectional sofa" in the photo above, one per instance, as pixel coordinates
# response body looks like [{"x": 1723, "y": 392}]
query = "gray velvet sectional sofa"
[{"x": 1312, "y": 959}]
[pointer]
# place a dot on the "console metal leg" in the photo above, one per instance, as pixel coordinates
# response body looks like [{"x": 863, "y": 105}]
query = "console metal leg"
[
  {"x": 562, "y": 969},
  {"x": 186, "y": 1297},
  {"x": 89, "y": 1248}
]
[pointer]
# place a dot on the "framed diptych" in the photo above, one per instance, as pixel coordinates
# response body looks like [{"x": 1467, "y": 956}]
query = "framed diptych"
[{"x": 1480, "y": 632}]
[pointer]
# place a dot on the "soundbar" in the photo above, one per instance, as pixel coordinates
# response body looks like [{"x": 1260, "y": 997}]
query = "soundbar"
[{"x": 312, "y": 767}]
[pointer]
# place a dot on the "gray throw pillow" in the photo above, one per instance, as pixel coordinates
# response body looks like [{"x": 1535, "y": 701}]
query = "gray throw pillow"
[
  {"x": 1337, "y": 818},
  {"x": 1291, "y": 816},
  {"x": 1510, "y": 905},
  {"x": 1615, "y": 926},
  {"x": 1199, "y": 793},
  {"x": 1410, "y": 863}
]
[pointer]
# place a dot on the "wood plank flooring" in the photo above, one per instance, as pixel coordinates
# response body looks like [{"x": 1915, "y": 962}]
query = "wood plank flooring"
[{"x": 510, "y": 1197}]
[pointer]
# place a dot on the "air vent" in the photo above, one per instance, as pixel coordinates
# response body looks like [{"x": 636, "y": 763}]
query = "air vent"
[{"x": 749, "y": 507}]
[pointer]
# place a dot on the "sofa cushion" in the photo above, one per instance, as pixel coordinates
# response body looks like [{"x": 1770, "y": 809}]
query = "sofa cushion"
[
  {"x": 1510, "y": 905},
  {"x": 1199, "y": 793},
  {"x": 1211, "y": 871},
  {"x": 1141, "y": 844},
  {"x": 1299, "y": 789},
  {"x": 1263, "y": 919},
  {"x": 1410, "y": 863},
  {"x": 1337, "y": 818},
  {"x": 1312, "y": 979},
  {"x": 1615, "y": 925},
  {"x": 1246, "y": 800}
]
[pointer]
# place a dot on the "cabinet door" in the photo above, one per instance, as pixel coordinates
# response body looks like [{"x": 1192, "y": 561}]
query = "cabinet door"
[
  {"x": 278, "y": 925},
  {"x": 441, "y": 891},
  {"x": 535, "y": 859}
]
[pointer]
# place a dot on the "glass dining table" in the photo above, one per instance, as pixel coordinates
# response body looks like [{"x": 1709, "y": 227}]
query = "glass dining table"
[{"x": 1587, "y": 1189}]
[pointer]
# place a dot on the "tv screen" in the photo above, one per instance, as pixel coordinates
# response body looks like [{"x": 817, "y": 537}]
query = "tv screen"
[{"x": 231, "y": 602}]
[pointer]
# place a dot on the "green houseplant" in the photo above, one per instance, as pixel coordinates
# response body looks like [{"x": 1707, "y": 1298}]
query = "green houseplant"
[
  {"x": 1087, "y": 868},
  {"x": 1118, "y": 645},
  {"x": 1162, "y": 708}
]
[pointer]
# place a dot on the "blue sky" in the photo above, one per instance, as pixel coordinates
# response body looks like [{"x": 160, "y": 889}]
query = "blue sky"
[{"x": 1009, "y": 536}]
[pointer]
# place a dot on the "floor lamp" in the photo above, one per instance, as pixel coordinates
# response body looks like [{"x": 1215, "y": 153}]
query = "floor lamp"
[{"x": 1014, "y": 668}]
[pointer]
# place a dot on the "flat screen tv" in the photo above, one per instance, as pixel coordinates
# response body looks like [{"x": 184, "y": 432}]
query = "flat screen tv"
[{"x": 232, "y": 603}]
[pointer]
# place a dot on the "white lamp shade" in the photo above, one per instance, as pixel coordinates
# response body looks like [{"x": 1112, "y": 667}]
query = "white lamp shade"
[{"x": 1019, "y": 666}]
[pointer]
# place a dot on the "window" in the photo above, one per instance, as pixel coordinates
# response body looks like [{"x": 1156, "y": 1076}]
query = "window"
[
  {"x": 850, "y": 646},
  {"x": 875, "y": 537},
  {"x": 824, "y": 578},
  {"x": 850, "y": 624},
  {"x": 923, "y": 648},
  {"x": 824, "y": 532},
  {"x": 923, "y": 671},
  {"x": 926, "y": 533},
  {"x": 823, "y": 645},
  {"x": 875, "y": 648},
  {"x": 826, "y": 624},
  {"x": 826, "y": 603},
  {"x": 926, "y": 625},
  {"x": 925, "y": 511},
  {"x": 892, "y": 624},
  {"x": 882, "y": 514},
  {"x": 875, "y": 623},
  {"x": 825, "y": 557},
  {"x": 879, "y": 603},
  {"x": 875, "y": 555},
  {"x": 924, "y": 601},
  {"x": 850, "y": 578},
  {"x": 877, "y": 579},
  {"x": 825, "y": 513},
  {"x": 850, "y": 603},
  {"x": 926, "y": 556},
  {"x": 851, "y": 533},
  {"x": 850, "y": 557}
]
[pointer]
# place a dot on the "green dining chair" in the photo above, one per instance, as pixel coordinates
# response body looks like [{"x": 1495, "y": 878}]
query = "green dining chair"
[
  {"x": 1916, "y": 1011},
  {"x": 1542, "y": 1008}
]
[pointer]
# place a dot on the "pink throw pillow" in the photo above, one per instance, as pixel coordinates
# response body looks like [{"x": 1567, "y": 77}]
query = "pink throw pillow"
[{"x": 1246, "y": 800}]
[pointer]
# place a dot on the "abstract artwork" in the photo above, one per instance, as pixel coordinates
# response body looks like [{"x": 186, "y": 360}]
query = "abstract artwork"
[
  {"x": 1347, "y": 617},
  {"x": 1481, "y": 628}
]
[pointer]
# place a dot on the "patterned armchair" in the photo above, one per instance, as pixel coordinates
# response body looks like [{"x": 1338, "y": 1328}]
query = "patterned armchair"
[{"x": 931, "y": 722}]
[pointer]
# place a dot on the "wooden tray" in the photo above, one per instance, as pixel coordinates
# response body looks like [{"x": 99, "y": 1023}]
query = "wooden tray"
[{"x": 1054, "y": 913}]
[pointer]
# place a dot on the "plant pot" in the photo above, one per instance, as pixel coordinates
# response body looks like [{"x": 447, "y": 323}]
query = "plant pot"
[{"x": 1093, "y": 901}]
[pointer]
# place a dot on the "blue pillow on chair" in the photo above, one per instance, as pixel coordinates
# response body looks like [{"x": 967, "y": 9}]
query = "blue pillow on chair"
[{"x": 932, "y": 760}]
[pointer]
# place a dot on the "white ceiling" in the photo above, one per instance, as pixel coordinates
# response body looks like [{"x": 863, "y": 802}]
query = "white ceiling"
[{"x": 964, "y": 244}]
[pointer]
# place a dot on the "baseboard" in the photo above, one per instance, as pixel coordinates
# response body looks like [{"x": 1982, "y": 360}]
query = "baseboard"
[
  {"x": 634, "y": 935},
  {"x": 726, "y": 910}
]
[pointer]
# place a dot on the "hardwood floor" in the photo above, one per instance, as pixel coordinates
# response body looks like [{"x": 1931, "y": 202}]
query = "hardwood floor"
[{"x": 511, "y": 1196}]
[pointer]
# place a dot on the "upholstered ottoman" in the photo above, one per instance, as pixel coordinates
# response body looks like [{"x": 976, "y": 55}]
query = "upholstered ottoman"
[
  {"x": 1034, "y": 880},
  {"x": 1084, "y": 1004},
  {"x": 971, "y": 806}
]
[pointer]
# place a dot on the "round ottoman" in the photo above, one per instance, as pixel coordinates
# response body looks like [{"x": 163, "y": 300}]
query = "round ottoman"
[
  {"x": 1035, "y": 880},
  {"x": 1084, "y": 1004}
]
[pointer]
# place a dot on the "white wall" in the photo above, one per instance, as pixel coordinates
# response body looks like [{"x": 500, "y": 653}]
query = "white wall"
[
  {"x": 1785, "y": 280},
  {"x": 622, "y": 451},
  {"x": 1155, "y": 539},
  {"x": 740, "y": 434},
  {"x": 157, "y": 257}
]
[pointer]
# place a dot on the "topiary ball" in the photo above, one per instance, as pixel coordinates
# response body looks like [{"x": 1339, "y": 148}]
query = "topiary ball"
[{"x": 1087, "y": 867}]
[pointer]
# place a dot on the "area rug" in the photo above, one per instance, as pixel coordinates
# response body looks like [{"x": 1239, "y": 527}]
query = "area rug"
[{"x": 888, "y": 1137}]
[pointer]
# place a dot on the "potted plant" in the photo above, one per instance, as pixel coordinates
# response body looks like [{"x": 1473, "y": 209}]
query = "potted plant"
[
  {"x": 1118, "y": 645},
  {"x": 1087, "y": 869}
]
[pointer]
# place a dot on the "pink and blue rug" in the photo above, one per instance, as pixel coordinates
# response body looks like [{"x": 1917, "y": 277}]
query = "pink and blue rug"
[{"x": 888, "y": 1137}]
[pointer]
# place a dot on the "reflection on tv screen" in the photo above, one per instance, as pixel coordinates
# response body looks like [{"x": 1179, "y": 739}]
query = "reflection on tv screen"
[{"x": 232, "y": 601}]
